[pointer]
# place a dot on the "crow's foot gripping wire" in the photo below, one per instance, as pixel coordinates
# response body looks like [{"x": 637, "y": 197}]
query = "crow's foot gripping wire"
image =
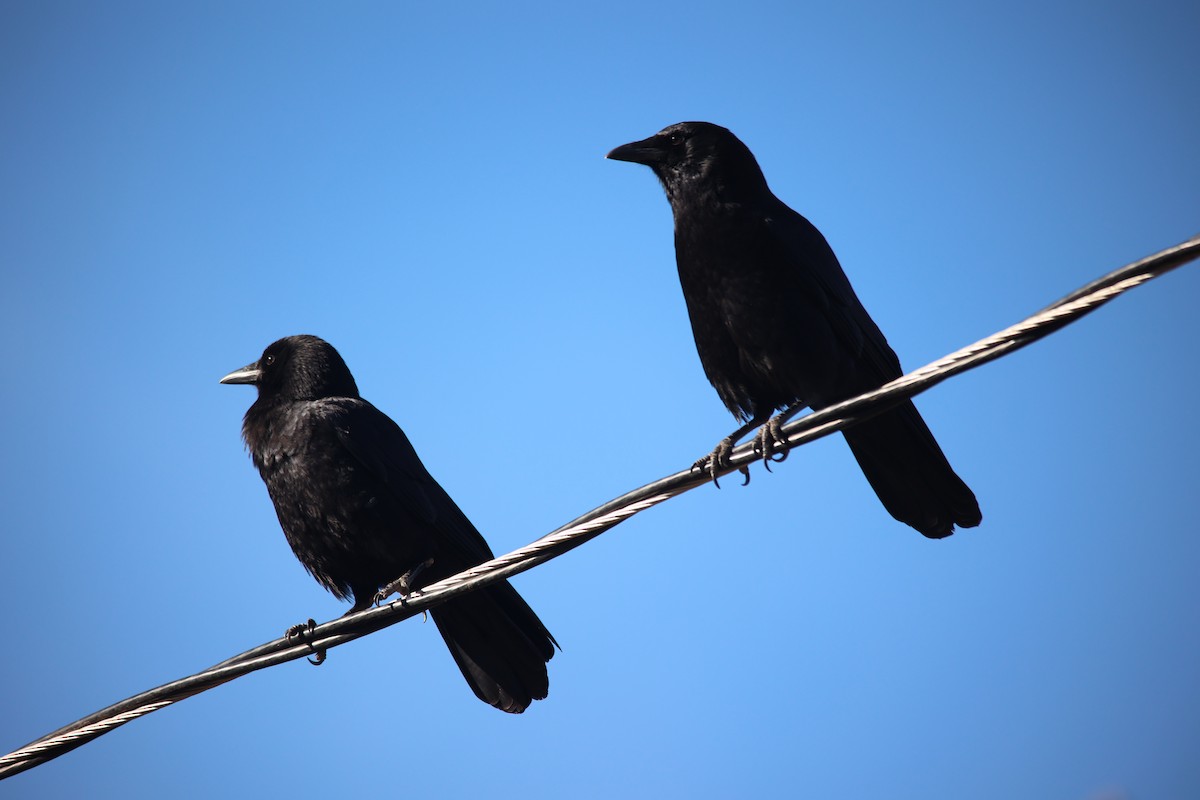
[
  {"x": 404, "y": 584},
  {"x": 718, "y": 459},
  {"x": 302, "y": 634},
  {"x": 770, "y": 439}
]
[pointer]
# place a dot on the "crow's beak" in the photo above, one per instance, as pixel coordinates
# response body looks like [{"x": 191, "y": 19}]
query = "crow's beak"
[
  {"x": 247, "y": 374},
  {"x": 647, "y": 151}
]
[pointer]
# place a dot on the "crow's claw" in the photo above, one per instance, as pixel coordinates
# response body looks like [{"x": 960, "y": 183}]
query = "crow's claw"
[
  {"x": 770, "y": 437},
  {"x": 302, "y": 632},
  {"x": 404, "y": 584},
  {"x": 712, "y": 463}
]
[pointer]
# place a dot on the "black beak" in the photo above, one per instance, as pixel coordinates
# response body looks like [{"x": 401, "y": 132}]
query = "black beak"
[
  {"x": 647, "y": 152},
  {"x": 247, "y": 374}
]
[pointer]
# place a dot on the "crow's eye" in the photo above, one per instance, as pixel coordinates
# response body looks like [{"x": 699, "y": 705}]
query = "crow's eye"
[
  {"x": 270, "y": 359},
  {"x": 675, "y": 139}
]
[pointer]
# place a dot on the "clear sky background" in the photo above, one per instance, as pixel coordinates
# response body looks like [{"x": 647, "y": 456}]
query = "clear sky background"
[{"x": 424, "y": 185}]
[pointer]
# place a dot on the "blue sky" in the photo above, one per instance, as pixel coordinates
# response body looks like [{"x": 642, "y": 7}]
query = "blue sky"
[{"x": 424, "y": 186}]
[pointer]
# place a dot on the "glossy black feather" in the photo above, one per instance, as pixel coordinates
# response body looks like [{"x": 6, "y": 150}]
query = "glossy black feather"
[
  {"x": 776, "y": 322},
  {"x": 359, "y": 510}
]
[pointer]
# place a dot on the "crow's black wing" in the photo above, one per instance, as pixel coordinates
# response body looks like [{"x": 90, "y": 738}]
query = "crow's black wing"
[
  {"x": 380, "y": 445},
  {"x": 818, "y": 269}
]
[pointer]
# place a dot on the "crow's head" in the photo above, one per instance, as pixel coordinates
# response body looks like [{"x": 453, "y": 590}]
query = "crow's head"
[
  {"x": 692, "y": 156},
  {"x": 298, "y": 368}
]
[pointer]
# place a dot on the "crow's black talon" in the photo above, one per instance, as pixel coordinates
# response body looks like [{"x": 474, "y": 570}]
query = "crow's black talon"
[
  {"x": 745, "y": 473},
  {"x": 779, "y": 444},
  {"x": 715, "y": 463},
  {"x": 707, "y": 466},
  {"x": 301, "y": 631},
  {"x": 769, "y": 443},
  {"x": 718, "y": 459},
  {"x": 701, "y": 466},
  {"x": 762, "y": 445}
]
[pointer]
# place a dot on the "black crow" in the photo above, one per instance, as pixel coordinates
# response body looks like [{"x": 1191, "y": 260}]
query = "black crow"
[
  {"x": 777, "y": 325},
  {"x": 359, "y": 510}
]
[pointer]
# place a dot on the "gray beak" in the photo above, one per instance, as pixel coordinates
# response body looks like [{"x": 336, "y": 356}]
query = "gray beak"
[{"x": 247, "y": 374}]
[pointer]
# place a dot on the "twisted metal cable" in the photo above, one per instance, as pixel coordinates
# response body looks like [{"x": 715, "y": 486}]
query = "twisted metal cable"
[{"x": 597, "y": 521}]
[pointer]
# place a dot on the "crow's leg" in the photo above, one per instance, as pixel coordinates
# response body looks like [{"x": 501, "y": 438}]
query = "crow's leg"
[{"x": 403, "y": 584}]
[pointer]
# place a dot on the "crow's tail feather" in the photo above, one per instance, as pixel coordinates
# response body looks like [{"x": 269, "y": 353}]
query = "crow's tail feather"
[
  {"x": 499, "y": 644},
  {"x": 910, "y": 474}
]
